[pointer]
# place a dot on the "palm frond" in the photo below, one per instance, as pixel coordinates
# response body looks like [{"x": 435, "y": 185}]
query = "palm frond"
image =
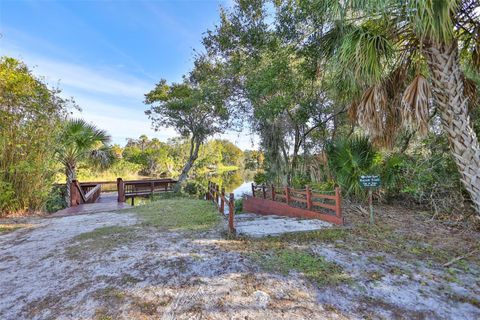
[
  {"x": 102, "y": 157},
  {"x": 415, "y": 105},
  {"x": 367, "y": 49},
  {"x": 371, "y": 110},
  {"x": 78, "y": 139},
  {"x": 433, "y": 20}
]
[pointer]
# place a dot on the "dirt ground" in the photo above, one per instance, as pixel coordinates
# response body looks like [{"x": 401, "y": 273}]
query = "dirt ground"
[{"x": 110, "y": 266}]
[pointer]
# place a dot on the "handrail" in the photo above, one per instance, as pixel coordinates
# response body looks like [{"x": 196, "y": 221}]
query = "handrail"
[
  {"x": 146, "y": 187},
  {"x": 79, "y": 193},
  {"x": 219, "y": 198},
  {"x": 93, "y": 192}
]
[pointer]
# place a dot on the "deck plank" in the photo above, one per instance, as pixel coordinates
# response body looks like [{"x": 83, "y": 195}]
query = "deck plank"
[{"x": 106, "y": 202}]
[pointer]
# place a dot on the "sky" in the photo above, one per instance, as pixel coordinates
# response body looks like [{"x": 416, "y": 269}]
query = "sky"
[{"x": 108, "y": 54}]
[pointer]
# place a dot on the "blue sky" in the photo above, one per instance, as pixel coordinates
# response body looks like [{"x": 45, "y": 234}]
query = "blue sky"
[{"x": 108, "y": 54}]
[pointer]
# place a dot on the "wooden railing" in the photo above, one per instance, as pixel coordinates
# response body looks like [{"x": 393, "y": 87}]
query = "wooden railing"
[
  {"x": 306, "y": 199},
  {"x": 142, "y": 188},
  {"x": 84, "y": 193},
  {"x": 218, "y": 197}
]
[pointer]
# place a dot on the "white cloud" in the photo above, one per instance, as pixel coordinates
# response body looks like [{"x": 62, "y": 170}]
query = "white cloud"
[{"x": 123, "y": 113}]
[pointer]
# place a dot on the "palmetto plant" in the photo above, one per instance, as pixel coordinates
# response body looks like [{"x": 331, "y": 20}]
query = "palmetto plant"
[
  {"x": 407, "y": 57},
  {"x": 80, "y": 141},
  {"x": 348, "y": 159}
]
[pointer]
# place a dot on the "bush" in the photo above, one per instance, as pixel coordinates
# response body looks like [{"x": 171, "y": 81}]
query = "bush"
[
  {"x": 7, "y": 196},
  {"x": 427, "y": 176},
  {"x": 239, "y": 205},
  {"x": 323, "y": 186},
  {"x": 194, "y": 188},
  {"x": 300, "y": 180},
  {"x": 260, "y": 178},
  {"x": 56, "y": 199},
  {"x": 30, "y": 120},
  {"x": 348, "y": 159}
]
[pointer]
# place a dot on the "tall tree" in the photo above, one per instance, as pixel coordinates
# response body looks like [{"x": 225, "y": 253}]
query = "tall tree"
[
  {"x": 30, "y": 117},
  {"x": 278, "y": 82},
  {"x": 196, "y": 108},
  {"x": 406, "y": 56},
  {"x": 81, "y": 141}
]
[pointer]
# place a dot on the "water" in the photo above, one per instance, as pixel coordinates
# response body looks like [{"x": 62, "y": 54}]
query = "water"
[{"x": 244, "y": 188}]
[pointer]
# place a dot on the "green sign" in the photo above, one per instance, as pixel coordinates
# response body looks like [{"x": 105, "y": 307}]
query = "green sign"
[{"x": 370, "y": 181}]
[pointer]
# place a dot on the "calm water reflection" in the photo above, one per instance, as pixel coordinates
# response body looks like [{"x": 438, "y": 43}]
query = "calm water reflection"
[{"x": 238, "y": 182}]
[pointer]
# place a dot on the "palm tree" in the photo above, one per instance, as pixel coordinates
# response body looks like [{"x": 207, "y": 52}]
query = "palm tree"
[
  {"x": 81, "y": 141},
  {"x": 408, "y": 57}
]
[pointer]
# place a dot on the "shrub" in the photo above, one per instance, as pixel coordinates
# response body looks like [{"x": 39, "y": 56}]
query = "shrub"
[
  {"x": 348, "y": 159},
  {"x": 239, "y": 205},
  {"x": 300, "y": 180},
  {"x": 427, "y": 175},
  {"x": 30, "y": 119},
  {"x": 7, "y": 196},
  {"x": 56, "y": 199},
  {"x": 260, "y": 178},
  {"x": 194, "y": 188}
]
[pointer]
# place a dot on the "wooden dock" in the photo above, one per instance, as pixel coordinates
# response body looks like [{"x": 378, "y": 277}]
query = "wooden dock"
[
  {"x": 106, "y": 202},
  {"x": 88, "y": 197}
]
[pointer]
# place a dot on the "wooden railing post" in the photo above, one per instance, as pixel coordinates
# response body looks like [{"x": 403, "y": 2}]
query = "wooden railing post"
[
  {"x": 152, "y": 187},
  {"x": 309, "y": 197},
  {"x": 74, "y": 194},
  {"x": 231, "y": 213},
  {"x": 263, "y": 191},
  {"x": 253, "y": 190},
  {"x": 221, "y": 209},
  {"x": 207, "y": 195},
  {"x": 338, "y": 202},
  {"x": 216, "y": 194},
  {"x": 121, "y": 190},
  {"x": 273, "y": 192},
  {"x": 287, "y": 195}
]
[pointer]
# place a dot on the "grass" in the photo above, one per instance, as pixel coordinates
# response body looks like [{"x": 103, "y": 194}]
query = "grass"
[
  {"x": 101, "y": 240},
  {"x": 314, "y": 268},
  {"x": 5, "y": 228},
  {"x": 167, "y": 214},
  {"x": 179, "y": 214}
]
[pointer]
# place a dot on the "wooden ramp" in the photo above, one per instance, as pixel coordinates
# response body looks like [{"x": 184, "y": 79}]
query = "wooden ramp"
[
  {"x": 106, "y": 202},
  {"x": 258, "y": 225}
]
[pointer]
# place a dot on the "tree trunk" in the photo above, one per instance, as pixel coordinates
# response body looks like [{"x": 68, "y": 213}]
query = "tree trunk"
[
  {"x": 447, "y": 81},
  {"x": 71, "y": 175},
  {"x": 194, "y": 146}
]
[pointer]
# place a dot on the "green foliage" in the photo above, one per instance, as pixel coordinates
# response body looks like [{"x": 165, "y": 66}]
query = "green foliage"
[
  {"x": 328, "y": 185},
  {"x": 196, "y": 108},
  {"x": 427, "y": 175},
  {"x": 300, "y": 180},
  {"x": 349, "y": 159},
  {"x": 195, "y": 188},
  {"x": 239, "y": 205},
  {"x": 30, "y": 116},
  {"x": 260, "y": 178},
  {"x": 7, "y": 196},
  {"x": 253, "y": 159},
  {"x": 56, "y": 199}
]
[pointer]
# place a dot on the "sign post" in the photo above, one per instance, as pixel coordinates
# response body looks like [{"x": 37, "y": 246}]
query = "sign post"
[{"x": 370, "y": 182}]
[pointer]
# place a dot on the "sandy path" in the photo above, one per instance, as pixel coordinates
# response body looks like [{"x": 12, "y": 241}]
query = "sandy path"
[{"x": 159, "y": 275}]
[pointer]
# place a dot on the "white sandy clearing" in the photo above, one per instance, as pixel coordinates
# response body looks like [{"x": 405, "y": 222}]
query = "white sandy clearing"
[
  {"x": 182, "y": 275},
  {"x": 164, "y": 275}
]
